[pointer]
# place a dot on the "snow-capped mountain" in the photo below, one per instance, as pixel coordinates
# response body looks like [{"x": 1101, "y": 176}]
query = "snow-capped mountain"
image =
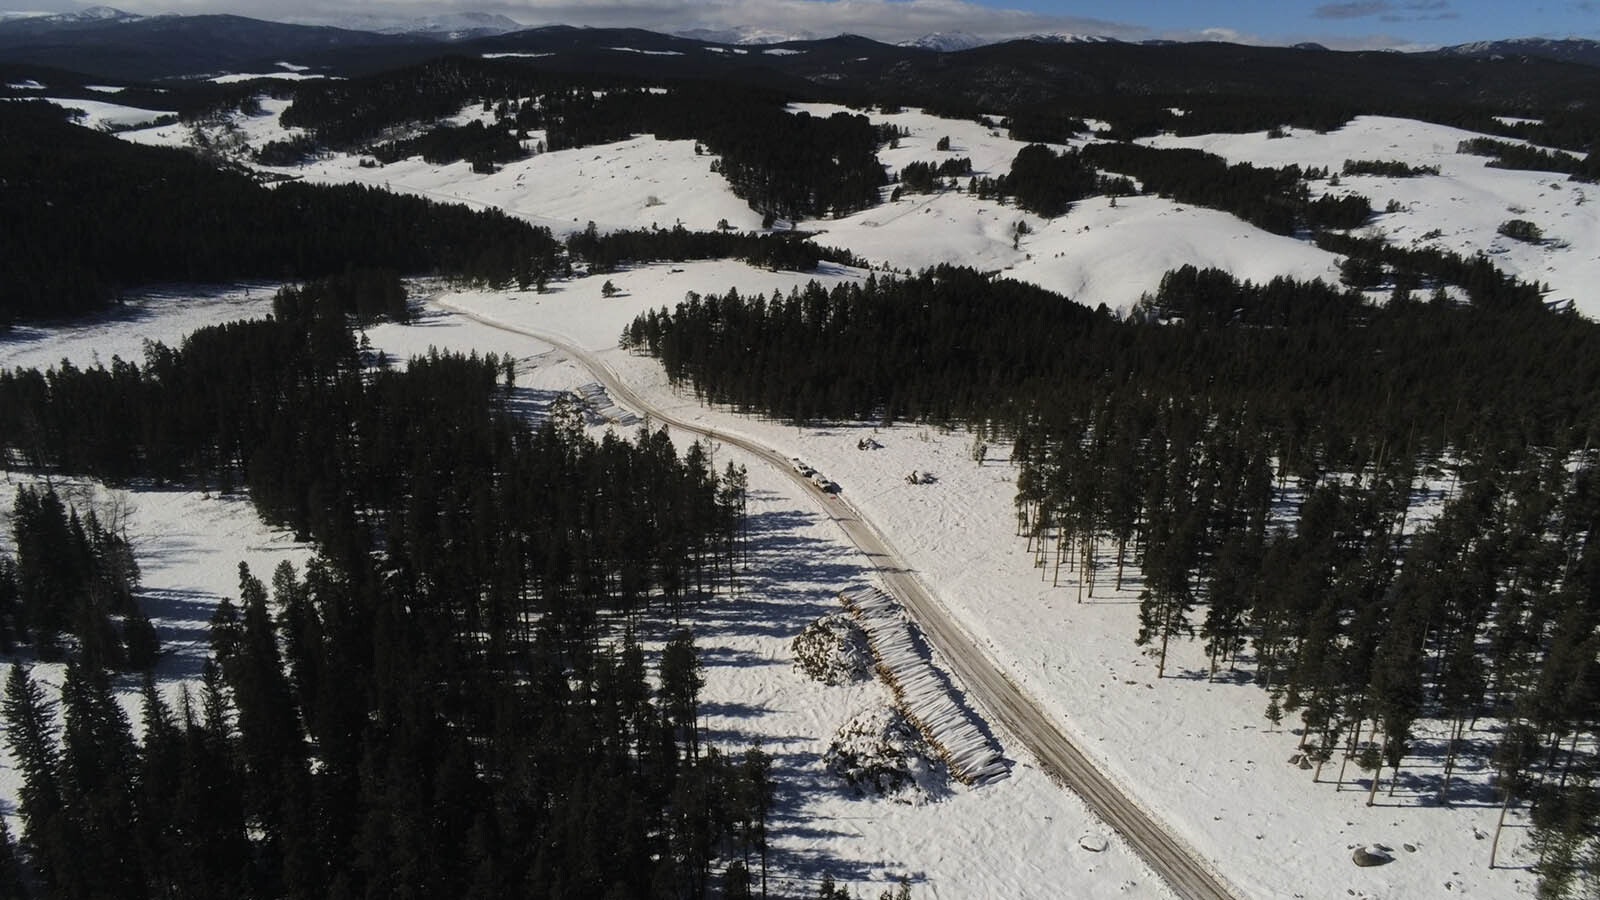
[
  {"x": 1064, "y": 37},
  {"x": 956, "y": 41},
  {"x": 92, "y": 14},
  {"x": 744, "y": 34},
  {"x": 1572, "y": 50},
  {"x": 947, "y": 41},
  {"x": 42, "y": 21},
  {"x": 444, "y": 26}
]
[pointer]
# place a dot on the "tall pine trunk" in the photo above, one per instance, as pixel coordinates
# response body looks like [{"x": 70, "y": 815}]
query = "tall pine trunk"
[
  {"x": 1494, "y": 846},
  {"x": 1450, "y": 759}
]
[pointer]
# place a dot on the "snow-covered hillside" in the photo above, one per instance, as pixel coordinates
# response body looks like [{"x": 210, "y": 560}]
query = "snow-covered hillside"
[
  {"x": 1460, "y": 209},
  {"x": 638, "y": 183},
  {"x": 1198, "y": 753},
  {"x": 101, "y": 115},
  {"x": 1097, "y": 253}
]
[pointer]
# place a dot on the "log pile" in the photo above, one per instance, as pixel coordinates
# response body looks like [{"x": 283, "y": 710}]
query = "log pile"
[{"x": 923, "y": 693}]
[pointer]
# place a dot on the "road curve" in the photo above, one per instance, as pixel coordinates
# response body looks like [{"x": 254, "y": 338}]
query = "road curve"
[{"x": 996, "y": 694}]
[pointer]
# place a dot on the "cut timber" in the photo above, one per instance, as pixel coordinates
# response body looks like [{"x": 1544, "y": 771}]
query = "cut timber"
[
  {"x": 924, "y": 693},
  {"x": 593, "y": 396}
]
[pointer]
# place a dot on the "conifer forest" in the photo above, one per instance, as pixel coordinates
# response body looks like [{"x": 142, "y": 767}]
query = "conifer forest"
[{"x": 1368, "y": 499}]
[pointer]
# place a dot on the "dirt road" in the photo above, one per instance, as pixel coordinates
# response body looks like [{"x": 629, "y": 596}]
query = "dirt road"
[{"x": 986, "y": 684}]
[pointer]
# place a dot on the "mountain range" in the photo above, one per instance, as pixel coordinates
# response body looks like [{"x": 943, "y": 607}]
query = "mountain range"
[{"x": 107, "y": 43}]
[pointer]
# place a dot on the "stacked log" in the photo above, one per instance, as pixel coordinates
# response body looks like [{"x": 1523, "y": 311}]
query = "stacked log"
[
  {"x": 593, "y": 395},
  {"x": 923, "y": 693}
]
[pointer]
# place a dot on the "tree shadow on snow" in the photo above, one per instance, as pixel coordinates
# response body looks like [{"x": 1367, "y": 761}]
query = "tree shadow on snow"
[{"x": 531, "y": 404}]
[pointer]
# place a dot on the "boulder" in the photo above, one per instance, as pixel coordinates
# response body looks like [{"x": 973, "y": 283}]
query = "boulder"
[{"x": 1366, "y": 857}]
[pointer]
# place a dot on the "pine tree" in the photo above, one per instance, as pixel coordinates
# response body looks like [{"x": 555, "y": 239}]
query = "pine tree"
[
  {"x": 160, "y": 773},
  {"x": 30, "y": 735},
  {"x": 99, "y": 770},
  {"x": 681, "y": 681},
  {"x": 758, "y": 787}
]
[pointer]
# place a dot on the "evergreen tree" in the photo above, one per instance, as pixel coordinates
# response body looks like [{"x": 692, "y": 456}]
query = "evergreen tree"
[
  {"x": 99, "y": 784},
  {"x": 30, "y": 735}
]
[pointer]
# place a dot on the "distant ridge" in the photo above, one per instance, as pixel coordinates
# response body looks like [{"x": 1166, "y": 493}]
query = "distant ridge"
[
  {"x": 1063, "y": 37},
  {"x": 956, "y": 41},
  {"x": 744, "y": 35},
  {"x": 108, "y": 43},
  {"x": 946, "y": 41},
  {"x": 1570, "y": 50},
  {"x": 44, "y": 23},
  {"x": 461, "y": 26},
  {"x": 946, "y": 69}
]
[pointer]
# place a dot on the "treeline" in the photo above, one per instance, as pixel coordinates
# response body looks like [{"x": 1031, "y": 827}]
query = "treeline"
[
  {"x": 292, "y": 151},
  {"x": 1130, "y": 115},
  {"x": 1044, "y": 127},
  {"x": 1507, "y": 155},
  {"x": 1170, "y": 442},
  {"x": 484, "y": 146},
  {"x": 886, "y": 349},
  {"x": 350, "y": 114},
  {"x": 1039, "y": 180},
  {"x": 950, "y": 345},
  {"x": 1273, "y": 199},
  {"x": 1387, "y": 168},
  {"x": 364, "y": 295},
  {"x": 1370, "y": 262},
  {"x": 85, "y": 215},
  {"x": 787, "y": 165},
  {"x": 1048, "y": 183},
  {"x": 1133, "y": 115},
  {"x": 921, "y": 177},
  {"x": 448, "y": 697},
  {"x": 93, "y": 216},
  {"x": 1572, "y": 129},
  {"x": 790, "y": 251}
]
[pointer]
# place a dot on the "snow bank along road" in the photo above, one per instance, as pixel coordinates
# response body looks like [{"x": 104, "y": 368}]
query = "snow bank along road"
[{"x": 982, "y": 677}]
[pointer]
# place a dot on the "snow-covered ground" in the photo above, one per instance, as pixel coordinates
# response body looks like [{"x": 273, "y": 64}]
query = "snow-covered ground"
[
  {"x": 237, "y": 77},
  {"x": 189, "y": 546},
  {"x": 638, "y": 183},
  {"x": 155, "y": 314},
  {"x": 1097, "y": 253},
  {"x": 99, "y": 114},
  {"x": 1460, "y": 209},
  {"x": 1199, "y": 754}
]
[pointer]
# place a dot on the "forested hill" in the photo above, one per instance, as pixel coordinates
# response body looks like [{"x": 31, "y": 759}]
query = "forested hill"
[
  {"x": 784, "y": 164},
  {"x": 85, "y": 215},
  {"x": 1001, "y": 78}
]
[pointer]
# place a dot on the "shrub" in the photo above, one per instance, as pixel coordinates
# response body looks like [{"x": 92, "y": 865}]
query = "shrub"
[{"x": 1522, "y": 230}]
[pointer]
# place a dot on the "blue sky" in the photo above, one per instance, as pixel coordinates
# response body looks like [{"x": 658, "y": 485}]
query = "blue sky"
[
  {"x": 1414, "y": 21},
  {"x": 1343, "y": 24}
]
